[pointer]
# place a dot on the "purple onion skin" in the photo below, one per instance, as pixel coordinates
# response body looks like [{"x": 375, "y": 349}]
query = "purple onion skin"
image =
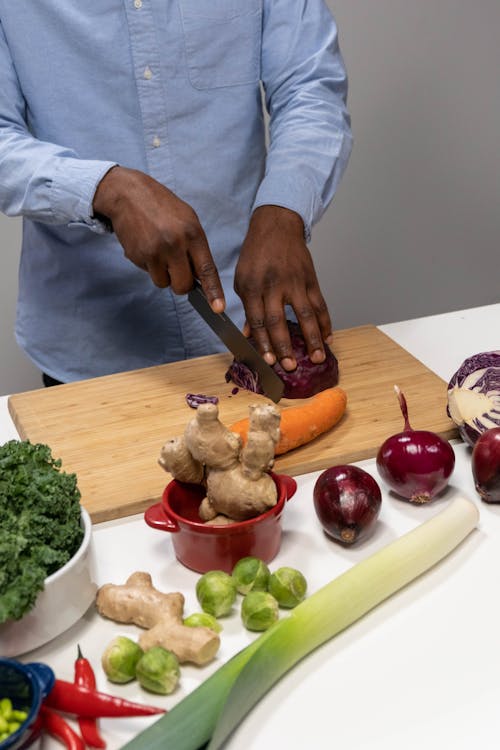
[
  {"x": 306, "y": 380},
  {"x": 347, "y": 501},
  {"x": 486, "y": 465},
  {"x": 416, "y": 464}
]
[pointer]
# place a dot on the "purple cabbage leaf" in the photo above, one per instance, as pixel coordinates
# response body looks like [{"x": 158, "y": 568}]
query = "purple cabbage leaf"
[
  {"x": 474, "y": 395},
  {"x": 195, "y": 399},
  {"x": 306, "y": 380}
]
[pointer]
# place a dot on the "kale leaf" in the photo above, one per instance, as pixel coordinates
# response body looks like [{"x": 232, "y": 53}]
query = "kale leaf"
[{"x": 40, "y": 523}]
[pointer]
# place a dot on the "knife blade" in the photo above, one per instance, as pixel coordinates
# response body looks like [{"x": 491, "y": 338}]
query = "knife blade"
[{"x": 237, "y": 343}]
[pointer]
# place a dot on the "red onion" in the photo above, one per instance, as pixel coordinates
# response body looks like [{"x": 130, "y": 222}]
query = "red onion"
[
  {"x": 486, "y": 465},
  {"x": 416, "y": 464},
  {"x": 347, "y": 502}
]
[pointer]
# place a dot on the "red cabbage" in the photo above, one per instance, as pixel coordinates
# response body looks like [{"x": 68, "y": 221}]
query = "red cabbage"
[
  {"x": 474, "y": 395},
  {"x": 195, "y": 399},
  {"x": 306, "y": 380}
]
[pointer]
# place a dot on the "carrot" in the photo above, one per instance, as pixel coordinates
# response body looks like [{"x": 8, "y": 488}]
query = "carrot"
[{"x": 302, "y": 423}]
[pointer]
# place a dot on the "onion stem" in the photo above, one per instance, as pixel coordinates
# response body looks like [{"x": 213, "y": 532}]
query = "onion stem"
[
  {"x": 404, "y": 408},
  {"x": 212, "y": 711}
]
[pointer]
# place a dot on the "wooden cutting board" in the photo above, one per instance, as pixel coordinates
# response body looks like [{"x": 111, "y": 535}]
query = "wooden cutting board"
[{"x": 110, "y": 430}]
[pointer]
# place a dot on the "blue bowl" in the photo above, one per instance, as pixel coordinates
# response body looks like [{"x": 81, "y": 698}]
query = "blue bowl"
[{"x": 26, "y": 685}]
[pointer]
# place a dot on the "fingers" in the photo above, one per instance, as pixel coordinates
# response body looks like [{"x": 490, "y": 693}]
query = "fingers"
[
  {"x": 258, "y": 329},
  {"x": 193, "y": 259},
  {"x": 312, "y": 335},
  {"x": 205, "y": 271},
  {"x": 266, "y": 323},
  {"x": 178, "y": 259},
  {"x": 159, "y": 273},
  {"x": 315, "y": 323}
]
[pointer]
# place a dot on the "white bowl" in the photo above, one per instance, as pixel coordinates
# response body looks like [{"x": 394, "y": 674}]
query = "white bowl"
[{"x": 66, "y": 596}]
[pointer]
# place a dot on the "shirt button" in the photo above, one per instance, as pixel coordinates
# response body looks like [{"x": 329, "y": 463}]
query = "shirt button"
[
  {"x": 137, "y": 4},
  {"x": 148, "y": 73},
  {"x": 156, "y": 142}
]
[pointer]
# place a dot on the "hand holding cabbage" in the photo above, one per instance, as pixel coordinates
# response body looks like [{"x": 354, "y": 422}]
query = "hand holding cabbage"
[{"x": 275, "y": 269}]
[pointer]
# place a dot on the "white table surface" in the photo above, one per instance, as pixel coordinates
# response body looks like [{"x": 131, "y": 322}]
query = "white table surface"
[{"x": 422, "y": 670}]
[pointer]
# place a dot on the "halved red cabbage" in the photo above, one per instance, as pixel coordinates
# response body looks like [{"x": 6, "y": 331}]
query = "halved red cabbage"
[
  {"x": 305, "y": 381},
  {"x": 474, "y": 395}
]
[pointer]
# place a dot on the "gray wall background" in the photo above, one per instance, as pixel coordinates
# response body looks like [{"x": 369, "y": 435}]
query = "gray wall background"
[{"x": 415, "y": 227}]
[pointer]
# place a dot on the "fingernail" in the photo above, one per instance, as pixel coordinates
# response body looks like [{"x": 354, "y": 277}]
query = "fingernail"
[
  {"x": 329, "y": 339},
  {"x": 288, "y": 363},
  {"x": 269, "y": 358},
  {"x": 217, "y": 305},
  {"x": 317, "y": 356}
]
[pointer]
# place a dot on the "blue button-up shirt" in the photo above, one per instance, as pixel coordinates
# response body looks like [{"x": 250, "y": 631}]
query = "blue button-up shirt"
[{"x": 173, "y": 88}]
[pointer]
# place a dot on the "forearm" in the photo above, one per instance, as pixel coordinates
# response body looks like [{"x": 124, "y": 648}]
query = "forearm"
[{"x": 306, "y": 90}]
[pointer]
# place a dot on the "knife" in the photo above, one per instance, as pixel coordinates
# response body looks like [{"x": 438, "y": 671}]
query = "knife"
[{"x": 237, "y": 343}]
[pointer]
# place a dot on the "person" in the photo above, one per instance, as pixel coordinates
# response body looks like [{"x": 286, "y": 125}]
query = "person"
[{"x": 149, "y": 142}]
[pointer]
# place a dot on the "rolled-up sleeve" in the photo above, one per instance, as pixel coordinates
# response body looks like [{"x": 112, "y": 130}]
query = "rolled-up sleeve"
[
  {"x": 39, "y": 180},
  {"x": 305, "y": 85}
]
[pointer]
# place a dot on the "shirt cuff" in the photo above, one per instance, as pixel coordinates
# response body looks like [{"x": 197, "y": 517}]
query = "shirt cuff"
[
  {"x": 72, "y": 192},
  {"x": 282, "y": 190}
]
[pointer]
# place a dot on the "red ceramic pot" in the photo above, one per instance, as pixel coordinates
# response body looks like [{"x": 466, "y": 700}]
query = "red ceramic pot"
[{"x": 204, "y": 547}]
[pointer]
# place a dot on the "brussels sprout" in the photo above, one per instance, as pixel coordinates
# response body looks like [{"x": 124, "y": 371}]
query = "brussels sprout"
[
  {"x": 288, "y": 586},
  {"x": 250, "y": 574},
  {"x": 6, "y": 708},
  {"x": 10, "y": 718},
  {"x": 120, "y": 658},
  {"x": 203, "y": 620},
  {"x": 216, "y": 592},
  {"x": 158, "y": 670},
  {"x": 259, "y": 610}
]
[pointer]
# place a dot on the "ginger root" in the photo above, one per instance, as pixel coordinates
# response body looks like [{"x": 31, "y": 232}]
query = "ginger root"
[
  {"x": 139, "y": 602},
  {"x": 209, "y": 442},
  {"x": 265, "y": 418},
  {"x": 237, "y": 478},
  {"x": 246, "y": 489},
  {"x": 178, "y": 460}
]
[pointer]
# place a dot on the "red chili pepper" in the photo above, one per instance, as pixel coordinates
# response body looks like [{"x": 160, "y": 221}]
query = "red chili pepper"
[
  {"x": 81, "y": 701},
  {"x": 36, "y": 728},
  {"x": 84, "y": 675},
  {"x": 59, "y": 728}
]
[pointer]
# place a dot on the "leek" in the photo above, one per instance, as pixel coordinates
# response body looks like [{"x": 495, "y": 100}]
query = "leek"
[{"x": 211, "y": 712}]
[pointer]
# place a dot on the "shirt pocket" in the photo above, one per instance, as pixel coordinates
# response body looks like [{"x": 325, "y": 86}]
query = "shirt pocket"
[{"x": 222, "y": 39}]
